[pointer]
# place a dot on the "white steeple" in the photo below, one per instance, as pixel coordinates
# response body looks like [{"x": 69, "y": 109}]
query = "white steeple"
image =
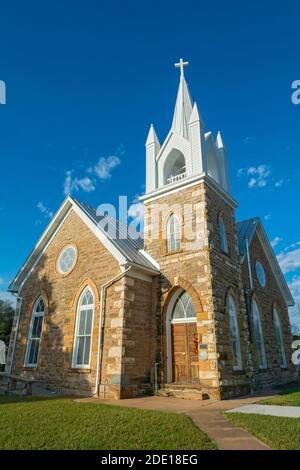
[
  {"x": 152, "y": 137},
  {"x": 186, "y": 151},
  {"x": 219, "y": 141},
  {"x": 152, "y": 149},
  {"x": 183, "y": 107}
]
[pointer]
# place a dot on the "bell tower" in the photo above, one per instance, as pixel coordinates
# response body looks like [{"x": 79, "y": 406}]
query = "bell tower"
[{"x": 190, "y": 230}]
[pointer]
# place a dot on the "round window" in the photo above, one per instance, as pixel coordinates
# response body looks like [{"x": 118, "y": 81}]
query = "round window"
[
  {"x": 260, "y": 273},
  {"x": 67, "y": 259}
]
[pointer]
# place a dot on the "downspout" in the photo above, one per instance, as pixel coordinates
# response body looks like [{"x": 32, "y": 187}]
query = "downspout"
[
  {"x": 248, "y": 308},
  {"x": 18, "y": 313},
  {"x": 249, "y": 263},
  {"x": 101, "y": 326}
]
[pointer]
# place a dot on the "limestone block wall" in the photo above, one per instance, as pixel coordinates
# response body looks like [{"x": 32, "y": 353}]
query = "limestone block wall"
[
  {"x": 95, "y": 266},
  {"x": 266, "y": 298},
  {"x": 227, "y": 278},
  {"x": 189, "y": 268}
]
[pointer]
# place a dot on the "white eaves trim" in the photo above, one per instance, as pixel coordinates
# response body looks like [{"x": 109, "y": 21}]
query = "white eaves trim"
[
  {"x": 149, "y": 258},
  {"x": 188, "y": 182}
]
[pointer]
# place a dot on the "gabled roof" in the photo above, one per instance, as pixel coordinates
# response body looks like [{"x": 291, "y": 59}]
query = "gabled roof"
[
  {"x": 130, "y": 247},
  {"x": 246, "y": 229},
  {"x": 126, "y": 250}
]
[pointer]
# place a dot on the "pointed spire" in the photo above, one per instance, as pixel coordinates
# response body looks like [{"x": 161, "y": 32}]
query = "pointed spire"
[
  {"x": 183, "y": 107},
  {"x": 219, "y": 141},
  {"x": 195, "y": 116},
  {"x": 152, "y": 137}
]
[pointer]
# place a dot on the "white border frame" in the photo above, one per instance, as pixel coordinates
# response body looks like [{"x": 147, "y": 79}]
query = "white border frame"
[
  {"x": 34, "y": 314},
  {"x": 74, "y": 351}
]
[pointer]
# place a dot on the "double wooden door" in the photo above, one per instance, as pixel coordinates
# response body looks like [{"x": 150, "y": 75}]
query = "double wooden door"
[{"x": 185, "y": 352}]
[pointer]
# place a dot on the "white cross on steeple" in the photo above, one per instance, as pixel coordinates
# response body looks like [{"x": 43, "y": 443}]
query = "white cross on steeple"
[{"x": 181, "y": 64}]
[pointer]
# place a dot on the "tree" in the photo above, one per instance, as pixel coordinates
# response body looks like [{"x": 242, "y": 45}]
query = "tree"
[{"x": 6, "y": 320}]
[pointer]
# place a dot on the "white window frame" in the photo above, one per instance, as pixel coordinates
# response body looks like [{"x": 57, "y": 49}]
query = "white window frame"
[
  {"x": 279, "y": 338},
  {"x": 259, "y": 341},
  {"x": 223, "y": 236},
  {"x": 80, "y": 308},
  {"x": 184, "y": 319},
  {"x": 34, "y": 314},
  {"x": 234, "y": 332},
  {"x": 64, "y": 249},
  {"x": 173, "y": 243},
  {"x": 260, "y": 271}
]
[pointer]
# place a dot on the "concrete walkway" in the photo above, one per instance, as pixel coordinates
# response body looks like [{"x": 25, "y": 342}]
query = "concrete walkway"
[
  {"x": 269, "y": 410},
  {"x": 207, "y": 415}
]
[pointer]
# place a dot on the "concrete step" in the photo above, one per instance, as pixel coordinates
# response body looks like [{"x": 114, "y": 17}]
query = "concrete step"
[{"x": 186, "y": 391}]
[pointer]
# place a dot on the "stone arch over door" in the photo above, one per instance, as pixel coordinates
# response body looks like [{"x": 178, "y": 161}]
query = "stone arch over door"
[{"x": 188, "y": 327}]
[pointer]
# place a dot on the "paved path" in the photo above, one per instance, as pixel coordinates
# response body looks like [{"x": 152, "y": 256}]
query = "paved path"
[
  {"x": 269, "y": 410},
  {"x": 207, "y": 415}
]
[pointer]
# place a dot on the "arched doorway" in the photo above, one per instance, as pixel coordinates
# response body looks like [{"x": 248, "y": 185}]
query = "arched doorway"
[{"x": 182, "y": 339}]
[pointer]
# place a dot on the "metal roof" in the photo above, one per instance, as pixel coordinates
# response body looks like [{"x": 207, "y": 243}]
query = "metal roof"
[
  {"x": 246, "y": 229},
  {"x": 120, "y": 236}
]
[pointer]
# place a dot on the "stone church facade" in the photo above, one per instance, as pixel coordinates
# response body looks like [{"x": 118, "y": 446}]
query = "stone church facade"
[{"x": 197, "y": 309}]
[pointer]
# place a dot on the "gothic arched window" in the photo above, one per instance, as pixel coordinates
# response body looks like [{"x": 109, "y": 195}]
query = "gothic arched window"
[
  {"x": 258, "y": 333},
  {"x": 83, "y": 330},
  {"x": 235, "y": 335},
  {"x": 223, "y": 237},
  {"x": 183, "y": 309},
  {"x": 279, "y": 338},
  {"x": 35, "y": 333},
  {"x": 173, "y": 234}
]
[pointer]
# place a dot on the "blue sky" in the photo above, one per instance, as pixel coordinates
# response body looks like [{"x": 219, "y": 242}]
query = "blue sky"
[{"x": 86, "y": 78}]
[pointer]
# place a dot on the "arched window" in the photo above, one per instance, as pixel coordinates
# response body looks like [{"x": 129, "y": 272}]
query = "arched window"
[
  {"x": 259, "y": 339},
  {"x": 235, "y": 335},
  {"x": 279, "y": 338},
  {"x": 183, "y": 310},
  {"x": 223, "y": 238},
  {"x": 35, "y": 333},
  {"x": 173, "y": 234},
  {"x": 83, "y": 330}
]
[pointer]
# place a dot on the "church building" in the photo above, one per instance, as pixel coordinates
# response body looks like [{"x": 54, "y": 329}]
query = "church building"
[{"x": 197, "y": 309}]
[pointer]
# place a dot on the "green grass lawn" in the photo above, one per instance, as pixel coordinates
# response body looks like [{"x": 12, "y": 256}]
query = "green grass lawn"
[
  {"x": 288, "y": 397},
  {"x": 61, "y": 423},
  {"x": 278, "y": 433}
]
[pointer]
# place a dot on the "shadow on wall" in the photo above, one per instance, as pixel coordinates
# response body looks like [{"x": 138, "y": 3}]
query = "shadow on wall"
[{"x": 54, "y": 369}]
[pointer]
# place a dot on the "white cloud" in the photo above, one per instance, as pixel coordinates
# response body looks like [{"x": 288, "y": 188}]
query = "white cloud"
[
  {"x": 87, "y": 183},
  {"x": 289, "y": 260},
  {"x": 68, "y": 183},
  {"x": 8, "y": 296},
  {"x": 258, "y": 175},
  {"x": 105, "y": 165},
  {"x": 276, "y": 241},
  {"x": 71, "y": 184},
  {"x": 44, "y": 210},
  {"x": 136, "y": 209}
]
